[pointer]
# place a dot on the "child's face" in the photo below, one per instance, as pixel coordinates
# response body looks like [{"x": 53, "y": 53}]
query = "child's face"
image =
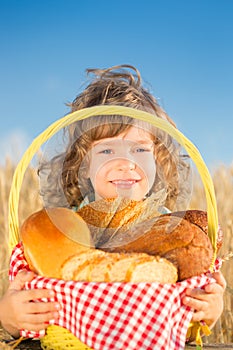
[{"x": 123, "y": 165}]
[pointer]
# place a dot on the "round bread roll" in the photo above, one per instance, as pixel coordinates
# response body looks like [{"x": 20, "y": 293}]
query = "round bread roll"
[{"x": 47, "y": 245}]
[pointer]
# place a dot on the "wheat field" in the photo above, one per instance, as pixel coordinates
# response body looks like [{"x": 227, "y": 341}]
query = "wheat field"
[{"x": 223, "y": 183}]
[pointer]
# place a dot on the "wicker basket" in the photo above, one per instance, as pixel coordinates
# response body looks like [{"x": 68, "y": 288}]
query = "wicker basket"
[{"x": 59, "y": 337}]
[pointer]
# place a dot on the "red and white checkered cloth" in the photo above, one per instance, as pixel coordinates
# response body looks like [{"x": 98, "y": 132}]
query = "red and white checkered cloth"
[{"x": 117, "y": 316}]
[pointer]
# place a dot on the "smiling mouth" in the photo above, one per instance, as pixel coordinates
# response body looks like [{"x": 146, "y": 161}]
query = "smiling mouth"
[{"x": 124, "y": 183}]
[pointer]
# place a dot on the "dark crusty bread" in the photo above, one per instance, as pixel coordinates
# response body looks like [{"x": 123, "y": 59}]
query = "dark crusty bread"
[
  {"x": 193, "y": 259},
  {"x": 155, "y": 236},
  {"x": 199, "y": 218}
]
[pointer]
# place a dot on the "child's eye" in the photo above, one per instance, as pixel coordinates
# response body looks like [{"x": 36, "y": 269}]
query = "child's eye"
[
  {"x": 106, "y": 151},
  {"x": 142, "y": 149}
]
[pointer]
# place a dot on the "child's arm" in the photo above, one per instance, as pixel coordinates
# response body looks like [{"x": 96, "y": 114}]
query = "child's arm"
[
  {"x": 17, "y": 311},
  {"x": 207, "y": 302}
]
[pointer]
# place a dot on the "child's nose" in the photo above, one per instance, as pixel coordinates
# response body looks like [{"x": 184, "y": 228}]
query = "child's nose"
[{"x": 125, "y": 164}]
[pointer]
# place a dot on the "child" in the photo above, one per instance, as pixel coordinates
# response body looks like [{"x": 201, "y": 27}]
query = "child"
[
  {"x": 64, "y": 179},
  {"x": 111, "y": 156}
]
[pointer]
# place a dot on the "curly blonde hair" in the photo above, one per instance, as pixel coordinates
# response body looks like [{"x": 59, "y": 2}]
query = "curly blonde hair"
[{"x": 66, "y": 182}]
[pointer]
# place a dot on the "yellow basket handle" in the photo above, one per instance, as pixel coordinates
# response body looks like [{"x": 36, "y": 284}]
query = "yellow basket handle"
[{"x": 112, "y": 110}]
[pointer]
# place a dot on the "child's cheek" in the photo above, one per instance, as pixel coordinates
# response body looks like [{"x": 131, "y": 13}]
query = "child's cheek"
[{"x": 146, "y": 163}]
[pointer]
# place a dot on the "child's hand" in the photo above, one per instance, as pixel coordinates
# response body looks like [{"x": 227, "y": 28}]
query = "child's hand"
[
  {"x": 17, "y": 311},
  {"x": 208, "y": 302}
]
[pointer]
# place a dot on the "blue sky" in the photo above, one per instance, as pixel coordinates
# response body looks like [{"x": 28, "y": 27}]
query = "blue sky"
[{"x": 183, "y": 49}]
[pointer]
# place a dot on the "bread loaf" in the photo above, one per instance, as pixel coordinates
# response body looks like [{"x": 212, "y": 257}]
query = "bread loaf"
[{"x": 118, "y": 267}]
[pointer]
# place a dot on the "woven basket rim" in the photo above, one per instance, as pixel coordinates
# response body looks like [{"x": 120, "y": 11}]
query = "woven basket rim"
[{"x": 110, "y": 110}]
